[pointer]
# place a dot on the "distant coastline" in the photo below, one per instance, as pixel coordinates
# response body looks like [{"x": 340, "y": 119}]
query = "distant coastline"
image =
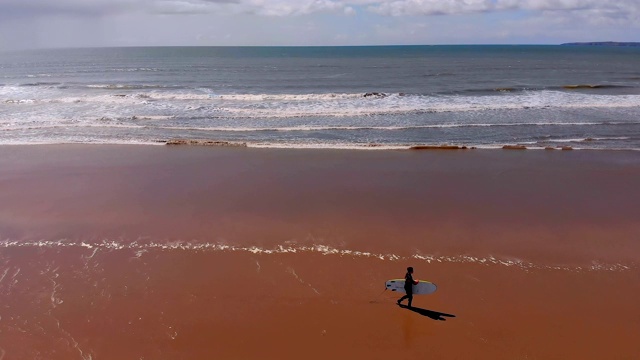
[{"x": 603, "y": 43}]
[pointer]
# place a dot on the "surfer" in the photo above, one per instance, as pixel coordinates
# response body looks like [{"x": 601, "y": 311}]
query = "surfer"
[{"x": 408, "y": 286}]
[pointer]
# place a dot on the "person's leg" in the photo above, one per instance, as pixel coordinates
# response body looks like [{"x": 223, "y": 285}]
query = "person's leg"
[
  {"x": 410, "y": 296},
  {"x": 402, "y": 298}
]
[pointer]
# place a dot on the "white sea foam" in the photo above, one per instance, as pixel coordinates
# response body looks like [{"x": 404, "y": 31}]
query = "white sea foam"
[
  {"x": 81, "y": 140},
  {"x": 301, "y": 128},
  {"x": 569, "y": 140},
  {"x": 321, "y": 249},
  {"x": 288, "y": 97},
  {"x": 397, "y": 128},
  {"x": 37, "y": 127},
  {"x": 134, "y": 69},
  {"x": 327, "y": 146},
  {"x": 126, "y": 86},
  {"x": 103, "y": 116},
  {"x": 152, "y": 117},
  {"x": 280, "y": 145},
  {"x": 4, "y": 274},
  {"x": 331, "y": 105}
]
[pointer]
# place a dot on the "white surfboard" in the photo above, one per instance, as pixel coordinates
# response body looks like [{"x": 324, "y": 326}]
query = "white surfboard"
[{"x": 422, "y": 288}]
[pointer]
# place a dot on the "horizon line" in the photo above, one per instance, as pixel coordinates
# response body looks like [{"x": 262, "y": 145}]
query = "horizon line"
[{"x": 580, "y": 43}]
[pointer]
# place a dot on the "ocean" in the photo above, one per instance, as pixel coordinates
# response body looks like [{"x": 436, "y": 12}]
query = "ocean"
[{"x": 379, "y": 97}]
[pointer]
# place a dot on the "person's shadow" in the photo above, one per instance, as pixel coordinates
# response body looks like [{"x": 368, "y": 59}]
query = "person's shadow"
[{"x": 428, "y": 313}]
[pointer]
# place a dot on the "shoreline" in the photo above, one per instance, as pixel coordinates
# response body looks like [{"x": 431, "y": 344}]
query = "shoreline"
[{"x": 338, "y": 147}]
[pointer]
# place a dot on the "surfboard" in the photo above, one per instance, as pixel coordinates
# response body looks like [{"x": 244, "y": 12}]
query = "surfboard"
[{"x": 422, "y": 288}]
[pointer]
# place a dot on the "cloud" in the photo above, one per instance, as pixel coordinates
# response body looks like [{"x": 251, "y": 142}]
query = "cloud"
[
  {"x": 613, "y": 8},
  {"x": 582, "y": 11},
  {"x": 628, "y": 9},
  {"x": 66, "y": 23},
  {"x": 65, "y": 7},
  {"x": 432, "y": 7},
  {"x": 36, "y": 8},
  {"x": 620, "y": 9},
  {"x": 182, "y": 7},
  {"x": 289, "y": 7}
]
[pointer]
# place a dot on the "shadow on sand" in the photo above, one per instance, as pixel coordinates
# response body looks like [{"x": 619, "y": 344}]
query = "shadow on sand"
[{"x": 428, "y": 313}]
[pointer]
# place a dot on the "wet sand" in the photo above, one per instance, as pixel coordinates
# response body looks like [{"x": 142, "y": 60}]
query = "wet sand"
[{"x": 112, "y": 252}]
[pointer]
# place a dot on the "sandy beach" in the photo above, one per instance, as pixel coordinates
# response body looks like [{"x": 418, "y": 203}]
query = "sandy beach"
[{"x": 158, "y": 252}]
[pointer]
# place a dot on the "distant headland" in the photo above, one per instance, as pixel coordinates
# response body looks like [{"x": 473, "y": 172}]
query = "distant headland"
[{"x": 604, "y": 43}]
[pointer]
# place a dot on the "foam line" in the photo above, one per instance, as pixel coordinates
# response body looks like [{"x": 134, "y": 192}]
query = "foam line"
[
  {"x": 308, "y": 249},
  {"x": 318, "y": 128}
]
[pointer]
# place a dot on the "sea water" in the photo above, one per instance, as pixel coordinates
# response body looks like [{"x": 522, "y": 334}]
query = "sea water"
[{"x": 376, "y": 97}]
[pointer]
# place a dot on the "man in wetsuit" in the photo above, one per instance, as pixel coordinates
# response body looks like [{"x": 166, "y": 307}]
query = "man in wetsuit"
[{"x": 408, "y": 286}]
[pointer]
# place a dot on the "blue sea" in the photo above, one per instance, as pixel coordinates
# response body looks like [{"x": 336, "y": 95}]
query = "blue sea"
[{"x": 380, "y": 97}]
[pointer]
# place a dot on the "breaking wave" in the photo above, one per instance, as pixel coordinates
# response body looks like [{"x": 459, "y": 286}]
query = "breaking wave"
[
  {"x": 130, "y": 86},
  {"x": 316, "y": 128}
]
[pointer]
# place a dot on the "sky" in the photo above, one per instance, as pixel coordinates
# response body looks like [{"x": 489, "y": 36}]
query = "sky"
[{"x": 27, "y": 24}]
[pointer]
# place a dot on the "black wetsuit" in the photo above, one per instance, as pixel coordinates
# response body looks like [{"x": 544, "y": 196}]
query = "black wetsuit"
[
  {"x": 408, "y": 283},
  {"x": 408, "y": 288}
]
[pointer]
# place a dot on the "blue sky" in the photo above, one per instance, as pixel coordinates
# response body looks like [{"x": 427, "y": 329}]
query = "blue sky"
[{"x": 80, "y": 23}]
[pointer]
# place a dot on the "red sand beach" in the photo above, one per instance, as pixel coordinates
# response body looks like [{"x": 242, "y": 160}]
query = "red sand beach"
[{"x": 155, "y": 252}]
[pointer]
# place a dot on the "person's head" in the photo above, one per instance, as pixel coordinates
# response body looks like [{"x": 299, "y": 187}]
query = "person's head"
[{"x": 410, "y": 270}]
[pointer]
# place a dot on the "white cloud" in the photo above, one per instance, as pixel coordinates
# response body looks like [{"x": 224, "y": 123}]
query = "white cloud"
[
  {"x": 11, "y": 8},
  {"x": 288, "y": 7},
  {"x": 589, "y": 12},
  {"x": 56, "y": 23},
  {"x": 620, "y": 9},
  {"x": 181, "y": 7},
  {"x": 431, "y": 7}
]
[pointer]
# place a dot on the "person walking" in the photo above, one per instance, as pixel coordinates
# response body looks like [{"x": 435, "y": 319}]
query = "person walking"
[{"x": 408, "y": 286}]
